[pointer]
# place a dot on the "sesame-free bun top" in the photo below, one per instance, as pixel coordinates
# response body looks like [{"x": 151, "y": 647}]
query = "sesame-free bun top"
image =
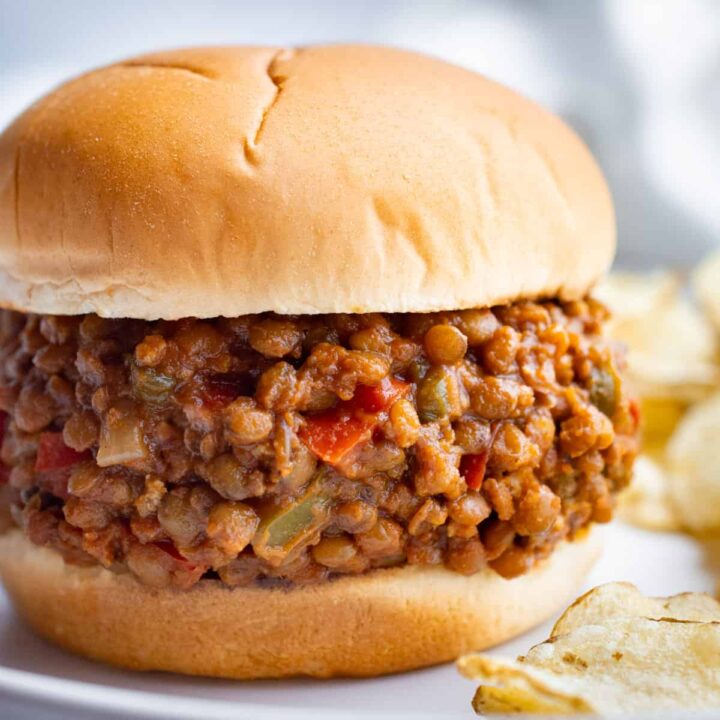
[{"x": 225, "y": 181}]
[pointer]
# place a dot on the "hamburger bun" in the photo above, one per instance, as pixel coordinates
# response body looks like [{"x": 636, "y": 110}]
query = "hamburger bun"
[
  {"x": 224, "y": 181},
  {"x": 382, "y": 622}
]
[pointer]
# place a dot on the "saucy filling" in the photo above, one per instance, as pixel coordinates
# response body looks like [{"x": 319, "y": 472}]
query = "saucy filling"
[{"x": 291, "y": 449}]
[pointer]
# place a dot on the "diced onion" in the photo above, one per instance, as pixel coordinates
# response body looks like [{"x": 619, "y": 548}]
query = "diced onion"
[{"x": 122, "y": 441}]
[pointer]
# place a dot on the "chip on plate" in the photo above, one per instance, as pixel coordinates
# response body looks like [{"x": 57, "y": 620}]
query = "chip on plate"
[
  {"x": 646, "y": 502},
  {"x": 620, "y": 599},
  {"x": 607, "y": 657},
  {"x": 660, "y": 417},
  {"x": 673, "y": 347},
  {"x": 511, "y": 686},
  {"x": 693, "y": 456},
  {"x": 637, "y": 294},
  {"x": 706, "y": 286}
]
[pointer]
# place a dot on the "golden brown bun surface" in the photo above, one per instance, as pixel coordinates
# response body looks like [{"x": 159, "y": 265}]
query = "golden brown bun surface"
[
  {"x": 224, "y": 181},
  {"x": 386, "y": 621}
]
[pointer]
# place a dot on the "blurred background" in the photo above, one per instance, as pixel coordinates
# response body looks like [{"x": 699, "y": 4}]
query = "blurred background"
[{"x": 638, "y": 79}]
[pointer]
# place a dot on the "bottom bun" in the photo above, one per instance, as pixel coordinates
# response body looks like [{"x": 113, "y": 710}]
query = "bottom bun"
[{"x": 383, "y": 622}]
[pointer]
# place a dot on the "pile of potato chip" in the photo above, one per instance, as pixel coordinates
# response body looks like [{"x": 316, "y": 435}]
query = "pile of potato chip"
[
  {"x": 614, "y": 651},
  {"x": 672, "y": 331}
]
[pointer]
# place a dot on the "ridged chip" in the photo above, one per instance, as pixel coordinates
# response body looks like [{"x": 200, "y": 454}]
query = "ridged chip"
[
  {"x": 706, "y": 286},
  {"x": 613, "y": 652},
  {"x": 673, "y": 347},
  {"x": 646, "y": 502},
  {"x": 623, "y": 599},
  {"x": 693, "y": 461}
]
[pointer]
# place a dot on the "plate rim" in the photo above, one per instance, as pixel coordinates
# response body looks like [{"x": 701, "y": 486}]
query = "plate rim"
[{"x": 58, "y": 692}]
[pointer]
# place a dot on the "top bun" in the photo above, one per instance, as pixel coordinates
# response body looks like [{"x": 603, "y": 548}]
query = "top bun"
[{"x": 225, "y": 181}]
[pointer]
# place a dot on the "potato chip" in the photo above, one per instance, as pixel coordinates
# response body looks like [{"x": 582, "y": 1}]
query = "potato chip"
[
  {"x": 513, "y": 687},
  {"x": 626, "y": 665},
  {"x": 637, "y": 294},
  {"x": 672, "y": 352},
  {"x": 613, "y": 651},
  {"x": 660, "y": 417},
  {"x": 646, "y": 501},
  {"x": 638, "y": 663},
  {"x": 673, "y": 348},
  {"x": 620, "y": 599},
  {"x": 693, "y": 456},
  {"x": 706, "y": 286}
]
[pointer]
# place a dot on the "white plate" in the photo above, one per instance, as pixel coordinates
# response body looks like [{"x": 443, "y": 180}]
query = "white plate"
[{"x": 40, "y": 681}]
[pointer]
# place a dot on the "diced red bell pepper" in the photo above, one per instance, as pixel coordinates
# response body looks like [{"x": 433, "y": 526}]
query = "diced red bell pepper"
[
  {"x": 472, "y": 468},
  {"x": 167, "y": 547},
  {"x": 332, "y": 434},
  {"x": 378, "y": 398},
  {"x": 54, "y": 462},
  {"x": 635, "y": 412},
  {"x": 54, "y": 454},
  {"x": 219, "y": 390}
]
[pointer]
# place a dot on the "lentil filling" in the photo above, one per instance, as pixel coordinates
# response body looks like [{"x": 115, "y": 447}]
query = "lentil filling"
[{"x": 290, "y": 449}]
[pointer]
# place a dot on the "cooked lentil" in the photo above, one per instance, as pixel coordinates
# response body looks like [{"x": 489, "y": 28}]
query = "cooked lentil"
[{"x": 274, "y": 449}]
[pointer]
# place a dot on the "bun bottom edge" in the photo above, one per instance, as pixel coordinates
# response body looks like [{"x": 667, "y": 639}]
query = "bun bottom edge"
[{"x": 384, "y": 622}]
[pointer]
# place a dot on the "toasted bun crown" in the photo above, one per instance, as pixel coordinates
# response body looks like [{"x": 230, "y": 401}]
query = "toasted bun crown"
[{"x": 224, "y": 181}]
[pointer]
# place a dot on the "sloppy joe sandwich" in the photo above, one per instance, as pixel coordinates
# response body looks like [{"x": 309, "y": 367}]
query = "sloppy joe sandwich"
[{"x": 299, "y": 368}]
